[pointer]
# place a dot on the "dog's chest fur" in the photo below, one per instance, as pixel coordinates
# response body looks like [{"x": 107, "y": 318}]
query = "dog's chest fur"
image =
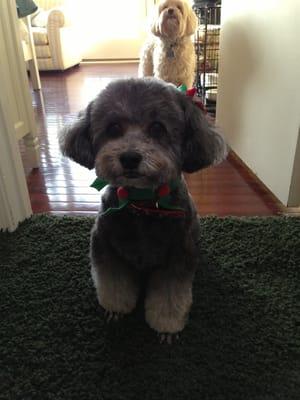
[
  {"x": 144, "y": 241},
  {"x": 174, "y": 62}
]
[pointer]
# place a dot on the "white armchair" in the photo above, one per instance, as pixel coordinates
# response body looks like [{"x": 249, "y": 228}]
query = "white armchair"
[{"x": 56, "y": 38}]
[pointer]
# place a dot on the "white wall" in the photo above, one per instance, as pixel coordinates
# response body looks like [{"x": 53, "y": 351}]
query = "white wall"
[
  {"x": 259, "y": 87},
  {"x": 111, "y": 29}
]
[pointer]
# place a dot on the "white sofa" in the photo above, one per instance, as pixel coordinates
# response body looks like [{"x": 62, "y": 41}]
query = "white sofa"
[{"x": 56, "y": 36}]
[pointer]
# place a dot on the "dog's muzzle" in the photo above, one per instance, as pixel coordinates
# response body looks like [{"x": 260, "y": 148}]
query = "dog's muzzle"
[
  {"x": 171, "y": 15},
  {"x": 130, "y": 160}
]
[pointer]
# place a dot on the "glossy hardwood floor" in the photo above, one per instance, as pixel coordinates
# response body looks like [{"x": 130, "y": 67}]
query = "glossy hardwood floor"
[{"x": 62, "y": 187}]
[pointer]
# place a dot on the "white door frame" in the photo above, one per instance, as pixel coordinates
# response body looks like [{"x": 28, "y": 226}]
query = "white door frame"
[{"x": 15, "y": 112}]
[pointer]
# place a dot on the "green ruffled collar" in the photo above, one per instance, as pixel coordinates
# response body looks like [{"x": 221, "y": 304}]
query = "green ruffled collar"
[{"x": 133, "y": 197}]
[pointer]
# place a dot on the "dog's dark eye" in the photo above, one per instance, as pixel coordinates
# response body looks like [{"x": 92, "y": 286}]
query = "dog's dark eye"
[
  {"x": 180, "y": 9},
  {"x": 114, "y": 130},
  {"x": 157, "y": 129}
]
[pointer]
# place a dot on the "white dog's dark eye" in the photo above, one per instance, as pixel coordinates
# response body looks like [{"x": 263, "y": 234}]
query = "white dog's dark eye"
[
  {"x": 157, "y": 129},
  {"x": 180, "y": 9},
  {"x": 114, "y": 130}
]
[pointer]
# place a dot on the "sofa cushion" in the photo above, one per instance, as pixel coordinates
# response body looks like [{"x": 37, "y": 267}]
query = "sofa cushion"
[
  {"x": 46, "y": 64},
  {"x": 43, "y": 51},
  {"x": 40, "y": 35}
]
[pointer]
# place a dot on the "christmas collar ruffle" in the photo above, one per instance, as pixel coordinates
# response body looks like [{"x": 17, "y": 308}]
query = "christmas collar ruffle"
[{"x": 135, "y": 199}]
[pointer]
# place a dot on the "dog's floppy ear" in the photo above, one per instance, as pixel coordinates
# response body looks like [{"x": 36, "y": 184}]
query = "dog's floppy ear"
[
  {"x": 191, "y": 22},
  {"x": 155, "y": 28},
  {"x": 75, "y": 140},
  {"x": 154, "y": 24},
  {"x": 202, "y": 144}
]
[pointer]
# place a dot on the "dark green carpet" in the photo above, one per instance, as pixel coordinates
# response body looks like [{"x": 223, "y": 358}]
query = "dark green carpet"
[{"x": 242, "y": 341}]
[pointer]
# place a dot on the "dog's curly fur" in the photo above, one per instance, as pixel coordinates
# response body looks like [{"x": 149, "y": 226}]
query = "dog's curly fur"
[
  {"x": 143, "y": 133},
  {"x": 169, "y": 53}
]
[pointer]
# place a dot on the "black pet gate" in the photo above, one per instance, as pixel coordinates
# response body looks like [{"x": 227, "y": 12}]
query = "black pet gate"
[{"x": 207, "y": 51}]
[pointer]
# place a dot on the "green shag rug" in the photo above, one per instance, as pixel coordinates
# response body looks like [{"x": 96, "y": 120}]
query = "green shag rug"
[{"x": 242, "y": 341}]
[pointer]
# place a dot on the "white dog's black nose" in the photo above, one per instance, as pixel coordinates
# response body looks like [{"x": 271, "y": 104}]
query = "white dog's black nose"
[
  {"x": 170, "y": 11},
  {"x": 130, "y": 159}
]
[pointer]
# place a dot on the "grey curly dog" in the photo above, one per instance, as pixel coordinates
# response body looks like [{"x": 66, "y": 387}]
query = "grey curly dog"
[{"x": 140, "y": 135}]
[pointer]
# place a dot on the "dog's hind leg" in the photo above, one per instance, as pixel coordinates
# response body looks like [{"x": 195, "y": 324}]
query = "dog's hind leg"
[{"x": 117, "y": 286}]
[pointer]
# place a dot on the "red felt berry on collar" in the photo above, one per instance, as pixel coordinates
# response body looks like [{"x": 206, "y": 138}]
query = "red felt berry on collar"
[
  {"x": 164, "y": 190},
  {"x": 122, "y": 193}
]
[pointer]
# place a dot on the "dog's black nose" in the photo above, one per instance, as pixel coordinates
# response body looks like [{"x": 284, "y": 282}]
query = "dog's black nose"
[
  {"x": 130, "y": 159},
  {"x": 170, "y": 11}
]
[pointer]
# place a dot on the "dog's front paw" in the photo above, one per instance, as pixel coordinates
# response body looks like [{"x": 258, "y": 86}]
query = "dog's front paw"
[
  {"x": 164, "y": 323},
  {"x": 111, "y": 316},
  {"x": 117, "y": 291},
  {"x": 168, "y": 338},
  {"x": 167, "y": 303}
]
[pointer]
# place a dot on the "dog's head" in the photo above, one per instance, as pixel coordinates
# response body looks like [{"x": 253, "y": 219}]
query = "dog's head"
[
  {"x": 174, "y": 19},
  {"x": 141, "y": 133}
]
